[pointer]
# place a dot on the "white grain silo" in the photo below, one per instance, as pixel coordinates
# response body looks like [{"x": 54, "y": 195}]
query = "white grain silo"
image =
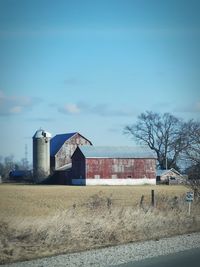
[{"x": 41, "y": 155}]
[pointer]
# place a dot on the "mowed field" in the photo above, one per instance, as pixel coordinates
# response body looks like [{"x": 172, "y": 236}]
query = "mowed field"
[{"x": 38, "y": 221}]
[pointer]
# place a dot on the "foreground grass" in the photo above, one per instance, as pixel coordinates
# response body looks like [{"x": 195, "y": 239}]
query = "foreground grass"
[{"x": 37, "y": 221}]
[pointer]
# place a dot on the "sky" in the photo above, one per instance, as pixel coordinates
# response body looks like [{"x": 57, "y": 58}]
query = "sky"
[{"x": 93, "y": 66}]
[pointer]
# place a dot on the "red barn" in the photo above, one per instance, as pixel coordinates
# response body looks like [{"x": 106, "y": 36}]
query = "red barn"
[
  {"x": 113, "y": 166},
  {"x": 62, "y": 146}
]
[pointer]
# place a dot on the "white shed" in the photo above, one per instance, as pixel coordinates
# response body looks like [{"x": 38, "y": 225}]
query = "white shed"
[{"x": 170, "y": 176}]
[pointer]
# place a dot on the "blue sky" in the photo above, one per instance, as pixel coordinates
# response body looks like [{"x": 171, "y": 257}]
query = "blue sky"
[{"x": 94, "y": 66}]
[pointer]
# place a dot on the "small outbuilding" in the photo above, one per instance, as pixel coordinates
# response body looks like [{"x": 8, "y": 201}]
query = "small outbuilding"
[
  {"x": 170, "y": 176},
  {"x": 113, "y": 166},
  {"x": 21, "y": 175}
]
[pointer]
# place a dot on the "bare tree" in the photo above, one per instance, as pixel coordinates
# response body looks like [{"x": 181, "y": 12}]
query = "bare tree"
[
  {"x": 6, "y": 165},
  {"x": 165, "y": 134},
  {"x": 192, "y": 153},
  {"x": 193, "y": 180},
  {"x": 193, "y": 150}
]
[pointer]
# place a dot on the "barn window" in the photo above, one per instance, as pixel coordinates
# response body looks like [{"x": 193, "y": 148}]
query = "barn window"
[
  {"x": 97, "y": 176},
  {"x": 129, "y": 176}
]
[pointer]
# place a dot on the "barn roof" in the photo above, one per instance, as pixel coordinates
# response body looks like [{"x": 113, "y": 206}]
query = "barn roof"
[
  {"x": 163, "y": 172},
  {"x": 117, "y": 152},
  {"x": 57, "y": 141}
]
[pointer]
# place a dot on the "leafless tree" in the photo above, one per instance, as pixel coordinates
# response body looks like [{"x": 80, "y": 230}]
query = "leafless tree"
[
  {"x": 165, "y": 134},
  {"x": 6, "y": 165},
  {"x": 192, "y": 153},
  {"x": 193, "y": 150}
]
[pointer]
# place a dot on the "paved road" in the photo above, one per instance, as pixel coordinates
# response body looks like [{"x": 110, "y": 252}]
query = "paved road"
[{"x": 188, "y": 258}]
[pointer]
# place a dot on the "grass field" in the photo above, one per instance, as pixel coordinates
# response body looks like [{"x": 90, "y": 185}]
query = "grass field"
[{"x": 38, "y": 221}]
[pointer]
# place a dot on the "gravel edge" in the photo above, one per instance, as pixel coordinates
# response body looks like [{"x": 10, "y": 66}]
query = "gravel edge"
[{"x": 119, "y": 254}]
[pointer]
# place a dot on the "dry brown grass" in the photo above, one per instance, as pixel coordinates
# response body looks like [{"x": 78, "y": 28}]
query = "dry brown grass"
[{"x": 38, "y": 221}]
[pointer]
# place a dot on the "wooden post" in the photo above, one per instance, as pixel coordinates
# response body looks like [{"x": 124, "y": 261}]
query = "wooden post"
[
  {"x": 189, "y": 207},
  {"x": 152, "y": 198},
  {"x": 195, "y": 193},
  {"x": 141, "y": 201}
]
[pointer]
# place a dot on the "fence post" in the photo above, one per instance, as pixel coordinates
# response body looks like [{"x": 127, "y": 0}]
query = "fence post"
[
  {"x": 141, "y": 201},
  {"x": 152, "y": 198},
  {"x": 195, "y": 193}
]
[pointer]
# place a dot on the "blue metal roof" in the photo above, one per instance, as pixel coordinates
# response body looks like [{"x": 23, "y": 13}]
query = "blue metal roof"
[
  {"x": 117, "y": 152},
  {"x": 57, "y": 141},
  {"x": 19, "y": 173}
]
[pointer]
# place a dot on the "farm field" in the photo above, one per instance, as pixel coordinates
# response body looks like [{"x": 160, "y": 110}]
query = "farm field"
[{"x": 37, "y": 221}]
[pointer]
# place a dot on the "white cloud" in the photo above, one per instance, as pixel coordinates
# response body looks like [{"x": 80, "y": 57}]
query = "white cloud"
[
  {"x": 70, "y": 109},
  {"x": 189, "y": 108},
  {"x": 1, "y": 94},
  {"x": 16, "y": 104},
  {"x": 16, "y": 110},
  {"x": 102, "y": 109},
  {"x": 197, "y": 106}
]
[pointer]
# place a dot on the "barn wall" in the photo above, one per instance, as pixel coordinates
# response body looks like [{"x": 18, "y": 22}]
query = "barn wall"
[
  {"x": 127, "y": 181},
  {"x": 169, "y": 174},
  {"x": 171, "y": 178},
  {"x": 78, "y": 165},
  {"x": 103, "y": 168},
  {"x": 60, "y": 178},
  {"x": 63, "y": 156}
]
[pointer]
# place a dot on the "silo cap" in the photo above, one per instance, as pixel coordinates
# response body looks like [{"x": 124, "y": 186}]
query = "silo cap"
[{"x": 41, "y": 134}]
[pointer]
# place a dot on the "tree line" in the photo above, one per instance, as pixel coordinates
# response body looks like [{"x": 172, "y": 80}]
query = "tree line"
[
  {"x": 176, "y": 142},
  {"x": 9, "y": 164}
]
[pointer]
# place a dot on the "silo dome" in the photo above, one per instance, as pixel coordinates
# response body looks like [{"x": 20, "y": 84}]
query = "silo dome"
[
  {"x": 41, "y": 155},
  {"x": 41, "y": 133}
]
